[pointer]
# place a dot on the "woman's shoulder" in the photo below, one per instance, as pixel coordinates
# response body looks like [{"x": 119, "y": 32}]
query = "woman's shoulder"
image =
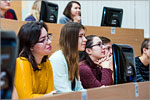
[
  {"x": 10, "y": 14},
  {"x": 11, "y": 10},
  {"x": 83, "y": 66},
  {"x": 64, "y": 20},
  {"x": 30, "y": 18},
  {"x": 23, "y": 63},
  {"x": 57, "y": 54},
  {"x": 22, "y": 60},
  {"x": 58, "y": 57}
]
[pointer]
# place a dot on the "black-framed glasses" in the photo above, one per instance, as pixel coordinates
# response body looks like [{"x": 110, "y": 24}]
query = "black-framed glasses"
[
  {"x": 147, "y": 48},
  {"x": 49, "y": 37},
  {"x": 99, "y": 44}
]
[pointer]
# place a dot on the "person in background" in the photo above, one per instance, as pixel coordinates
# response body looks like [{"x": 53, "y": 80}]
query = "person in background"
[
  {"x": 91, "y": 73},
  {"x": 65, "y": 61},
  {"x": 34, "y": 15},
  {"x": 108, "y": 46},
  {"x": 72, "y": 13},
  {"x": 142, "y": 62},
  {"x": 34, "y": 75},
  {"x": 5, "y": 11},
  {"x": 108, "y": 59}
]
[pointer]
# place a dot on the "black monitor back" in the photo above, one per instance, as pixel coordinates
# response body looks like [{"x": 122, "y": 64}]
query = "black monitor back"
[
  {"x": 49, "y": 12},
  {"x": 112, "y": 17},
  {"x": 9, "y": 47},
  {"x": 123, "y": 64}
]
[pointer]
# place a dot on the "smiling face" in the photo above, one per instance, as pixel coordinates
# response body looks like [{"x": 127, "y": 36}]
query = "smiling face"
[
  {"x": 82, "y": 40},
  {"x": 43, "y": 47},
  {"x": 4, "y": 4},
  {"x": 75, "y": 10}
]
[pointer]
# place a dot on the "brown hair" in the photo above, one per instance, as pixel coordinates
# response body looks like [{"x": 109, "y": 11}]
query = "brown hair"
[
  {"x": 67, "y": 11},
  {"x": 69, "y": 45},
  {"x": 144, "y": 45},
  {"x": 105, "y": 39}
]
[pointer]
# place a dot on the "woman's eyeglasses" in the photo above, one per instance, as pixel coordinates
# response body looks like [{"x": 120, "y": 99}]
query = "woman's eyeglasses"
[
  {"x": 99, "y": 44},
  {"x": 49, "y": 37}
]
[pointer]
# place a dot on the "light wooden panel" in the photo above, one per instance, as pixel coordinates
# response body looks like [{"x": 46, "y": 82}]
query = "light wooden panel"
[
  {"x": 134, "y": 37},
  {"x": 124, "y": 91},
  {"x": 9, "y": 24},
  {"x": 63, "y": 96},
  {"x": 16, "y": 5},
  {"x": 144, "y": 91}
]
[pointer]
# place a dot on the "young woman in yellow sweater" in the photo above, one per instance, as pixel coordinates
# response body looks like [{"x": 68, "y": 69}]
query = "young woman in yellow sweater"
[{"x": 34, "y": 76}]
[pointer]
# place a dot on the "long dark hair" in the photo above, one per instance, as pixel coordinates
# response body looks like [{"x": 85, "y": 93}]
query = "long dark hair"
[
  {"x": 67, "y": 10},
  {"x": 29, "y": 35},
  {"x": 83, "y": 55},
  {"x": 69, "y": 45}
]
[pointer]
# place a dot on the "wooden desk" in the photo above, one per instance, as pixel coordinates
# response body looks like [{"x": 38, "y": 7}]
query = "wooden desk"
[
  {"x": 16, "y": 5},
  {"x": 125, "y": 91}
]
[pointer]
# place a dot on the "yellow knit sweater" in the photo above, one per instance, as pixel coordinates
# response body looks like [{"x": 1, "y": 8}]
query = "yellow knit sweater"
[{"x": 31, "y": 84}]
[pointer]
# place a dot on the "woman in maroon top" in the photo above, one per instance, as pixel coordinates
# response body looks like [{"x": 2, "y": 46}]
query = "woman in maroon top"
[
  {"x": 5, "y": 11},
  {"x": 91, "y": 74}
]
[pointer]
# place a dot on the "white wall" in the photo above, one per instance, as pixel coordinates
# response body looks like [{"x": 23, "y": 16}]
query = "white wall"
[{"x": 136, "y": 14}]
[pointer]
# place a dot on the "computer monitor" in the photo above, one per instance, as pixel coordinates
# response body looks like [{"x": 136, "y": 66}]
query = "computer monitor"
[
  {"x": 9, "y": 48},
  {"x": 123, "y": 63},
  {"x": 112, "y": 17},
  {"x": 49, "y": 12}
]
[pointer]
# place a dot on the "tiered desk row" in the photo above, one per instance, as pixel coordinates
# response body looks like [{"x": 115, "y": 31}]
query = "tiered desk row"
[{"x": 133, "y": 37}]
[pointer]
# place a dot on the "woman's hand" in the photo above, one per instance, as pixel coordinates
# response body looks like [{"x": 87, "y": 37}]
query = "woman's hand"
[
  {"x": 105, "y": 62},
  {"x": 77, "y": 19},
  {"x": 51, "y": 93}
]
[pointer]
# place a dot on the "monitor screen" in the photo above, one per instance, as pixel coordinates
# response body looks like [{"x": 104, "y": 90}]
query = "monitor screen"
[
  {"x": 112, "y": 17},
  {"x": 123, "y": 64},
  {"x": 49, "y": 12},
  {"x": 9, "y": 48}
]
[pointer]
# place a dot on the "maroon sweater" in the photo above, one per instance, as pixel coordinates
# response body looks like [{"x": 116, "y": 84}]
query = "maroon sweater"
[{"x": 94, "y": 76}]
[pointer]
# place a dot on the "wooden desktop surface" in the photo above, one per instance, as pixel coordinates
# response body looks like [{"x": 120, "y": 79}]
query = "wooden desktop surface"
[{"x": 126, "y": 91}]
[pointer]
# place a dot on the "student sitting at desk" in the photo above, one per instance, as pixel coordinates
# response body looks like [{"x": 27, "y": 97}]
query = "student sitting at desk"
[
  {"x": 108, "y": 46},
  {"x": 65, "y": 61},
  {"x": 34, "y": 75},
  {"x": 142, "y": 62},
  {"x": 91, "y": 73},
  {"x": 34, "y": 15},
  {"x": 72, "y": 13},
  {"x": 5, "y": 11}
]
